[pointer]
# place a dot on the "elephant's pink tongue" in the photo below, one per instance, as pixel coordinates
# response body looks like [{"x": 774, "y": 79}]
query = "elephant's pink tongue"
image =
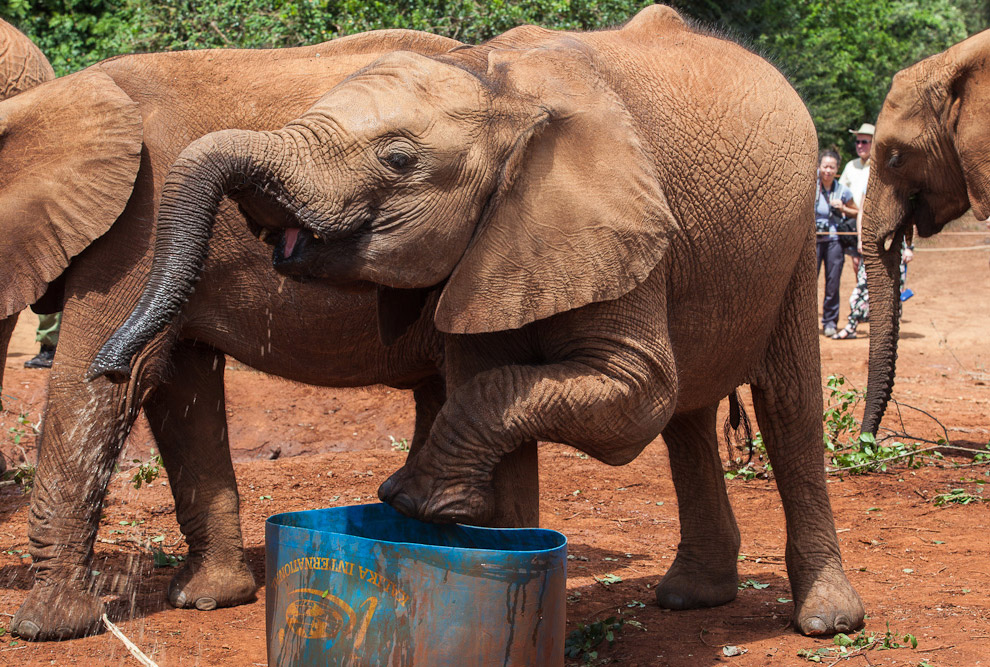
[{"x": 291, "y": 236}]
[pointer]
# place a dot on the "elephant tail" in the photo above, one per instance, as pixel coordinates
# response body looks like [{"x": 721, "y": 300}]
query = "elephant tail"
[{"x": 738, "y": 427}]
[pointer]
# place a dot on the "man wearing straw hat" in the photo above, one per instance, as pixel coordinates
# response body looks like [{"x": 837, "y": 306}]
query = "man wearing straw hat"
[
  {"x": 855, "y": 177},
  {"x": 856, "y": 174}
]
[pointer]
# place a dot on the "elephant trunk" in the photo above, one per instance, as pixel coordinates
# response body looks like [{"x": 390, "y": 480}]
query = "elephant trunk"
[
  {"x": 882, "y": 258},
  {"x": 206, "y": 171}
]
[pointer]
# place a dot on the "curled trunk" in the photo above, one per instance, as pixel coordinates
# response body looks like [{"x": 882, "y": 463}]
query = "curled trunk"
[{"x": 203, "y": 174}]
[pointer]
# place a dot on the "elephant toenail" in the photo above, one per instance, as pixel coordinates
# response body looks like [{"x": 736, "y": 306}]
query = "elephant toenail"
[
  {"x": 386, "y": 490},
  {"x": 671, "y": 601},
  {"x": 206, "y": 604},
  {"x": 842, "y": 624},
  {"x": 814, "y": 626},
  {"x": 27, "y": 629},
  {"x": 179, "y": 600}
]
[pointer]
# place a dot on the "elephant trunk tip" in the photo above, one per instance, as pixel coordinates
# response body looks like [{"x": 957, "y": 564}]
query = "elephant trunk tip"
[{"x": 110, "y": 364}]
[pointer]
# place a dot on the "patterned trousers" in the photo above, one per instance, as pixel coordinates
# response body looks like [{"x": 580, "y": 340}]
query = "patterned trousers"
[{"x": 859, "y": 300}]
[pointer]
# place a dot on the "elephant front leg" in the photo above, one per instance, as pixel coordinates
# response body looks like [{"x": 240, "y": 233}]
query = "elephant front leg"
[
  {"x": 187, "y": 415},
  {"x": 787, "y": 398},
  {"x": 704, "y": 574},
  {"x": 84, "y": 427},
  {"x": 487, "y": 420}
]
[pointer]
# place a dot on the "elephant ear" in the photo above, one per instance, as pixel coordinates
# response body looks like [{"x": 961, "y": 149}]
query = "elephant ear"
[
  {"x": 578, "y": 215},
  {"x": 70, "y": 151},
  {"x": 967, "y": 116}
]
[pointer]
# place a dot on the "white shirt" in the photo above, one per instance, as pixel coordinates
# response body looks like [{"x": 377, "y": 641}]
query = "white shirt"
[{"x": 855, "y": 176}]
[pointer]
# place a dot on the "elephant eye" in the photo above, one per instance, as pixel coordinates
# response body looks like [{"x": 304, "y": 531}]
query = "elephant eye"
[
  {"x": 398, "y": 160},
  {"x": 895, "y": 161}
]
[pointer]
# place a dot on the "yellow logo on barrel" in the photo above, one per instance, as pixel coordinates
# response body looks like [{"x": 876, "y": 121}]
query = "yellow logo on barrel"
[{"x": 317, "y": 614}]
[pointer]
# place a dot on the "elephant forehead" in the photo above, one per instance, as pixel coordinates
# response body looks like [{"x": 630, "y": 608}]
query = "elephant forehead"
[{"x": 390, "y": 98}]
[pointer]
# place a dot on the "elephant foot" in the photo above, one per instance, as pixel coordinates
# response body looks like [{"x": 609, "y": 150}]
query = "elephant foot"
[
  {"x": 695, "y": 585},
  {"x": 424, "y": 497},
  {"x": 207, "y": 584},
  {"x": 57, "y": 612},
  {"x": 829, "y": 607}
]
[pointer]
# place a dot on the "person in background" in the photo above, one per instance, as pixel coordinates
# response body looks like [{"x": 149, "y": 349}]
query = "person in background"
[
  {"x": 830, "y": 195},
  {"x": 855, "y": 176},
  {"x": 47, "y": 335},
  {"x": 859, "y": 300}
]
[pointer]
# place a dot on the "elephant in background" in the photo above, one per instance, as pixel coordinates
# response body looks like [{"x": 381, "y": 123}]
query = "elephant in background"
[
  {"x": 618, "y": 229},
  {"x": 931, "y": 162},
  {"x": 22, "y": 66},
  {"x": 82, "y": 162}
]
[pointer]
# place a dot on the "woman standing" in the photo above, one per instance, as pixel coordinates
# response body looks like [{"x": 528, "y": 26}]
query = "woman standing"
[{"x": 833, "y": 201}]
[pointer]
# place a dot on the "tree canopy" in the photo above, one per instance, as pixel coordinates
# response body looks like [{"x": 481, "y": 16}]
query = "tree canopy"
[{"x": 839, "y": 54}]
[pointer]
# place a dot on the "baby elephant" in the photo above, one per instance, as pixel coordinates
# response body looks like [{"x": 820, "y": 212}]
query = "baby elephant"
[{"x": 617, "y": 224}]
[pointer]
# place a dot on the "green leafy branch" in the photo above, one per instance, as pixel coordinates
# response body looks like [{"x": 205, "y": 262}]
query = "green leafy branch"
[
  {"x": 864, "y": 453},
  {"x": 147, "y": 471},
  {"x": 958, "y": 497},
  {"x": 846, "y": 647},
  {"x": 583, "y": 642},
  {"x": 22, "y": 475},
  {"x": 853, "y": 452}
]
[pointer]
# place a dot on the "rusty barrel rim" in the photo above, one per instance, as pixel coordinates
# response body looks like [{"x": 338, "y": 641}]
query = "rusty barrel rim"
[{"x": 361, "y": 523}]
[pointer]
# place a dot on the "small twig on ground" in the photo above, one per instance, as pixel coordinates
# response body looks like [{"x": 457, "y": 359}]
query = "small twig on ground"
[
  {"x": 937, "y": 648},
  {"x": 946, "y": 342},
  {"x": 134, "y": 650},
  {"x": 701, "y": 636},
  {"x": 945, "y": 431},
  {"x": 858, "y": 653}
]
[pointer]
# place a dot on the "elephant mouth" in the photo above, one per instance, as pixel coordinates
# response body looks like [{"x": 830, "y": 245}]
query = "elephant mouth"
[
  {"x": 290, "y": 247},
  {"x": 277, "y": 227}
]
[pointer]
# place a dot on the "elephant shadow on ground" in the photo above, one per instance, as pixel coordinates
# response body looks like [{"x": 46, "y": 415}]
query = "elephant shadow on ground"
[
  {"x": 17, "y": 577},
  {"x": 607, "y": 583},
  {"x": 134, "y": 588},
  {"x": 12, "y": 499}
]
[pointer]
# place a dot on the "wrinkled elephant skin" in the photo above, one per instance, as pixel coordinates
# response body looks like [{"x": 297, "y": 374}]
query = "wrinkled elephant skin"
[
  {"x": 116, "y": 127},
  {"x": 929, "y": 165},
  {"x": 618, "y": 229}
]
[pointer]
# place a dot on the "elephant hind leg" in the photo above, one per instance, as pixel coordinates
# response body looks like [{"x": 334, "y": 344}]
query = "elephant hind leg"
[
  {"x": 187, "y": 415},
  {"x": 704, "y": 573},
  {"x": 787, "y": 397}
]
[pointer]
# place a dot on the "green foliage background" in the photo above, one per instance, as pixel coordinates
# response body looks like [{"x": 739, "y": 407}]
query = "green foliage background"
[{"x": 839, "y": 54}]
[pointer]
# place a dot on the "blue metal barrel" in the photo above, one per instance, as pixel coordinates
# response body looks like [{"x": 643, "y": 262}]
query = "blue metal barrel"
[{"x": 365, "y": 585}]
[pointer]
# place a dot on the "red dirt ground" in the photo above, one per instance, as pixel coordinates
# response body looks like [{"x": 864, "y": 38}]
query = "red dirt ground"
[{"x": 922, "y": 569}]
